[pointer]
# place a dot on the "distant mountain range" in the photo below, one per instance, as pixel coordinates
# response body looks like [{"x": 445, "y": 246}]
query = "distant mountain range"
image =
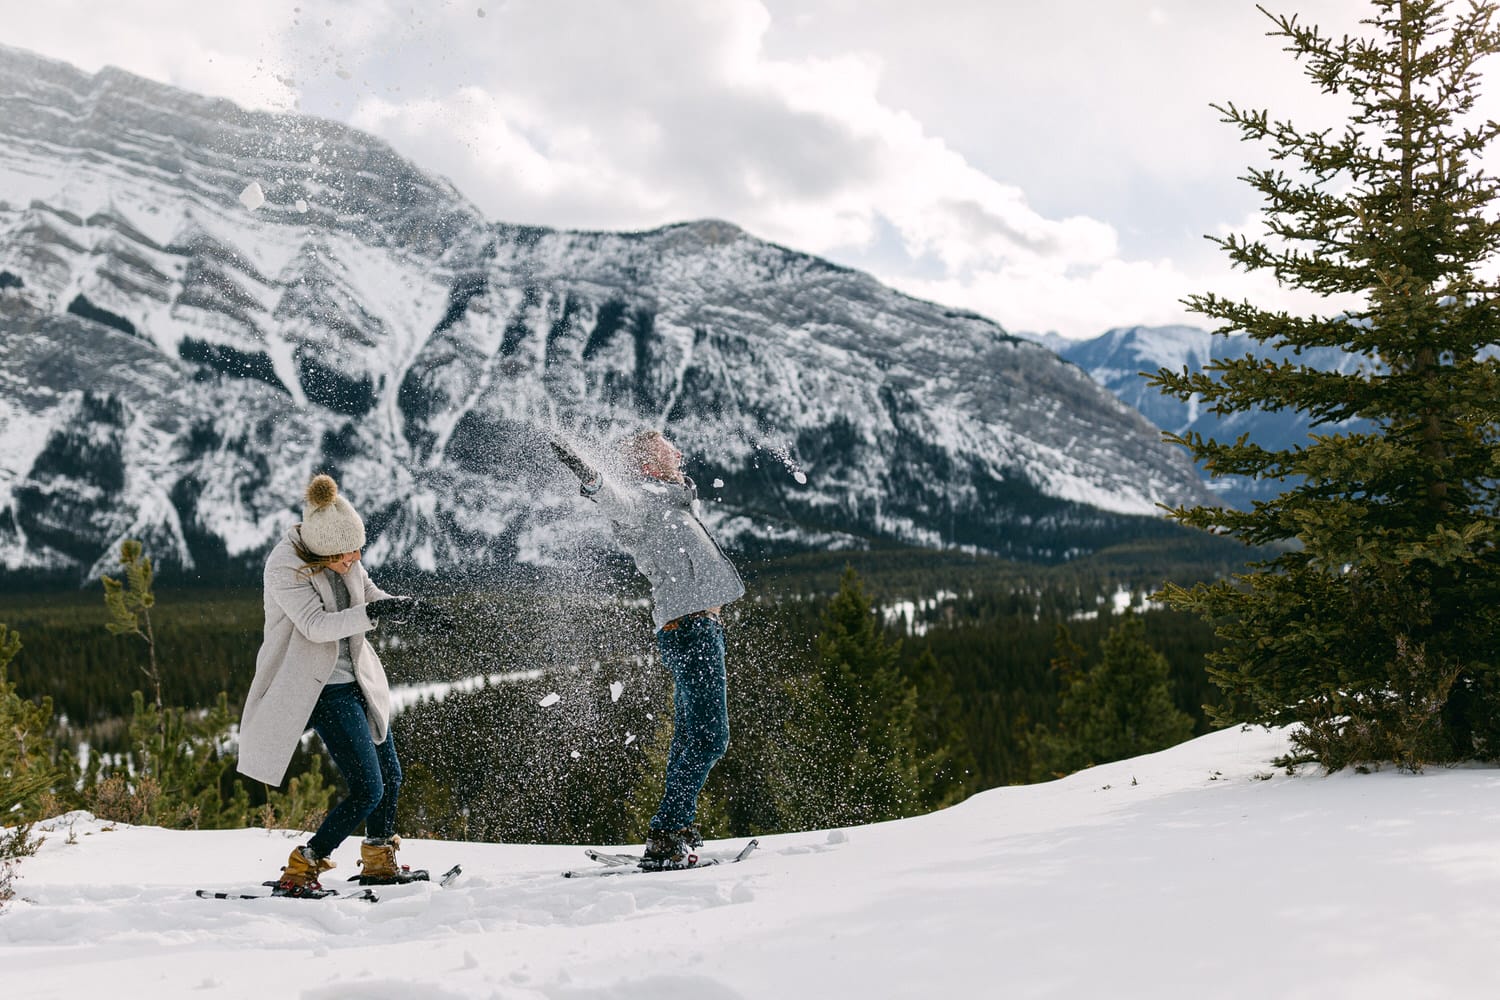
[
  {"x": 1117, "y": 359},
  {"x": 178, "y": 356}
]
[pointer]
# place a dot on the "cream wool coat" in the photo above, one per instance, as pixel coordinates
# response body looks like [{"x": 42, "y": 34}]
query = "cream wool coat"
[{"x": 297, "y": 656}]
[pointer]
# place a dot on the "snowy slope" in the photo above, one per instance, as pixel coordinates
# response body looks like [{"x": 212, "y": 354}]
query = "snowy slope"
[{"x": 1195, "y": 872}]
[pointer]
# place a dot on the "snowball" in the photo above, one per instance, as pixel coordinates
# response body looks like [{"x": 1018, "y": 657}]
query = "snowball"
[
  {"x": 552, "y": 699},
  {"x": 575, "y": 755},
  {"x": 718, "y": 484},
  {"x": 629, "y": 738},
  {"x": 615, "y": 690},
  {"x": 801, "y": 477},
  {"x": 252, "y": 197},
  {"x": 301, "y": 205}
]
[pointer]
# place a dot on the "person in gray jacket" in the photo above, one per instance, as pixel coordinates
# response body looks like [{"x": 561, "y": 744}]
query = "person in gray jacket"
[{"x": 653, "y": 512}]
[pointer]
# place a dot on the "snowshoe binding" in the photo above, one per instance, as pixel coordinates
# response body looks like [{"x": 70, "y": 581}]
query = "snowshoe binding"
[
  {"x": 299, "y": 878},
  {"x": 669, "y": 849}
]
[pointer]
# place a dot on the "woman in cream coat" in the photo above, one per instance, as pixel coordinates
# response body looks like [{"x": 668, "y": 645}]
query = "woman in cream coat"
[{"x": 316, "y": 669}]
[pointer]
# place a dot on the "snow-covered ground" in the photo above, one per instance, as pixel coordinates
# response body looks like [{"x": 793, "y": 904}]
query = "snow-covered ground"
[{"x": 1196, "y": 872}]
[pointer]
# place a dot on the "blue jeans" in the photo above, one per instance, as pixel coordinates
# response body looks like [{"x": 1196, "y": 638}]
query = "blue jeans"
[
  {"x": 694, "y": 653},
  {"x": 372, "y": 771}
]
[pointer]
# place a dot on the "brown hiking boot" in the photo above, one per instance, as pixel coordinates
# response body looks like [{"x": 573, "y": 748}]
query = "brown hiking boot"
[
  {"x": 377, "y": 863},
  {"x": 302, "y": 871},
  {"x": 377, "y": 858}
]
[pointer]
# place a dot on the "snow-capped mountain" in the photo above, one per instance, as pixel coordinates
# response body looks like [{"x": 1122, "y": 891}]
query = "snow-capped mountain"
[
  {"x": 1117, "y": 359},
  {"x": 200, "y": 306}
]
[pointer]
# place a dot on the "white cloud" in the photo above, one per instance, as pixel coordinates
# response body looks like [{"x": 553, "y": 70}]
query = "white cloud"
[
  {"x": 1050, "y": 163},
  {"x": 705, "y": 123}
]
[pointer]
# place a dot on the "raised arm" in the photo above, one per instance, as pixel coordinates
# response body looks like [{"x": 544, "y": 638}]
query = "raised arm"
[
  {"x": 617, "y": 504},
  {"x": 588, "y": 476}
]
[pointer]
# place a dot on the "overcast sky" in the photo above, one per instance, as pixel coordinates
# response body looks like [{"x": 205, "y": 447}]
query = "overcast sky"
[{"x": 1052, "y": 164}]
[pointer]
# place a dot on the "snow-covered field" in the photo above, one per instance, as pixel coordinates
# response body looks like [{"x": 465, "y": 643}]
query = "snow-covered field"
[{"x": 1196, "y": 872}]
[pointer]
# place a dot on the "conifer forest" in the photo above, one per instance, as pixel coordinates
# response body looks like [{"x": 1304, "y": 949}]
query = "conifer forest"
[{"x": 862, "y": 687}]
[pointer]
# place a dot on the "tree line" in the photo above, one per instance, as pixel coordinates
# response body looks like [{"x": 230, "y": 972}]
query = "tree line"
[{"x": 839, "y": 716}]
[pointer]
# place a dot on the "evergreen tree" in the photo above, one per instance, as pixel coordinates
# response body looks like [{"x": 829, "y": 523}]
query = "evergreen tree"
[
  {"x": 191, "y": 784},
  {"x": 303, "y": 805},
  {"x": 851, "y": 750},
  {"x": 27, "y": 773},
  {"x": 949, "y": 771},
  {"x": 1374, "y": 629},
  {"x": 130, "y": 605},
  {"x": 1119, "y": 707}
]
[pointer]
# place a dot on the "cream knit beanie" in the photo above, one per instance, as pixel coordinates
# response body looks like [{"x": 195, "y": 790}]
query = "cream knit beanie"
[{"x": 330, "y": 527}]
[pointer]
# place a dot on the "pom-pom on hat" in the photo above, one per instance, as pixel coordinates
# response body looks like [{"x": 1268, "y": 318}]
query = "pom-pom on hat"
[{"x": 330, "y": 527}]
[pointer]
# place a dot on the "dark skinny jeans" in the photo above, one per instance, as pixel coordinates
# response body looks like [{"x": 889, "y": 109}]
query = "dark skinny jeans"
[
  {"x": 694, "y": 653},
  {"x": 372, "y": 771}
]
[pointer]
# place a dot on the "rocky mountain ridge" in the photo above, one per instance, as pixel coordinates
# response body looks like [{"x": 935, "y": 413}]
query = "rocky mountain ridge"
[{"x": 175, "y": 363}]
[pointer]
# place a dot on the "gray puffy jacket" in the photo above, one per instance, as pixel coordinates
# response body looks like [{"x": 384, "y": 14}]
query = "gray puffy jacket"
[{"x": 657, "y": 523}]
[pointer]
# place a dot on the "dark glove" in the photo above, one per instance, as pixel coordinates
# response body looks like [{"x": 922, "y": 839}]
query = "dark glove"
[
  {"x": 567, "y": 456},
  {"x": 390, "y": 609}
]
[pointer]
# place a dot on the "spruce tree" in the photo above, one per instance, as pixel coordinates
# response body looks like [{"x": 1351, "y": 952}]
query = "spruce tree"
[
  {"x": 180, "y": 770},
  {"x": 1120, "y": 706},
  {"x": 26, "y": 768},
  {"x": 948, "y": 769},
  {"x": 851, "y": 732},
  {"x": 129, "y": 605},
  {"x": 27, "y": 772},
  {"x": 1374, "y": 628}
]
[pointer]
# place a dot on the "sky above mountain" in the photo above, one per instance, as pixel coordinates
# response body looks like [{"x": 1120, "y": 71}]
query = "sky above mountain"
[{"x": 1052, "y": 164}]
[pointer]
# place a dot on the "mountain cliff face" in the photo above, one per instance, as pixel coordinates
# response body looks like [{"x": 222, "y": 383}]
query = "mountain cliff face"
[
  {"x": 1117, "y": 359},
  {"x": 174, "y": 364}
]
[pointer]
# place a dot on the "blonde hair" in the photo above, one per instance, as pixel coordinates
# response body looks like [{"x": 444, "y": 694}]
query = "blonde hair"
[
  {"x": 311, "y": 561},
  {"x": 637, "y": 448}
]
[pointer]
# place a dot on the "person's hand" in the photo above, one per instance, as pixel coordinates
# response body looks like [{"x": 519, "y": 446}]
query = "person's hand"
[
  {"x": 390, "y": 609},
  {"x": 567, "y": 456}
]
